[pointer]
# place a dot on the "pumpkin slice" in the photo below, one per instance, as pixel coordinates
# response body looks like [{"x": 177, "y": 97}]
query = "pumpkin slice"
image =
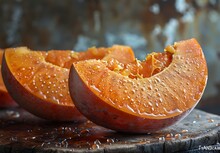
[
  {"x": 141, "y": 96},
  {"x": 38, "y": 81},
  {"x": 5, "y": 98}
]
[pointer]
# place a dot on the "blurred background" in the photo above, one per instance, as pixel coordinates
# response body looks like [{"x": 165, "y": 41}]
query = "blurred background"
[{"x": 145, "y": 25}]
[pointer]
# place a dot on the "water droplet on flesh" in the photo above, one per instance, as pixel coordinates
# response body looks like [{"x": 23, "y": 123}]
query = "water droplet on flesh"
[
  {"x": 158, "y": 80},
  {"x": 142, "y": 89},
  {"x": 61, "y": 95},
  {"x": 152, "y": 108},
  {"x": 149, "y": 87},
  {"x": 158, "y": 95},
  {"x": 132, "y": 91},
  {"x": 44, "y": 96},
  {"x": 125, "y": 91},
  {"x": 184, "y": 91},
  {"x": 160, "y": 100}
]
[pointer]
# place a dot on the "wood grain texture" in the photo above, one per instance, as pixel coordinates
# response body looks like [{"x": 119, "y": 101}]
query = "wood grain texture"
[{"x": 23, "y": 132}]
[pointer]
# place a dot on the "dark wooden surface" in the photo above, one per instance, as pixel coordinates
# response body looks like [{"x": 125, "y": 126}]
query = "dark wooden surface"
[{"x": 23, "y": 132}]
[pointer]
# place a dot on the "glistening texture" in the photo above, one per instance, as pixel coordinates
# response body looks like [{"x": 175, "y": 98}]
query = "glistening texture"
[{"x": 140, "y": 105}]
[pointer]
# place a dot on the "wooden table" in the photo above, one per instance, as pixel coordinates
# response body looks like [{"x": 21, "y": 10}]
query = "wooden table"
[{"x": 22, "y": 132}]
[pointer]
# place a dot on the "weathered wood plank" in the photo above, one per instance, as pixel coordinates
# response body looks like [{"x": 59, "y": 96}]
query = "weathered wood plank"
[{"x": 22, "y": 132}]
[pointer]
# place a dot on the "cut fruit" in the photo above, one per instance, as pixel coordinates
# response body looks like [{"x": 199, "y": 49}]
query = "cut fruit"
[
  {"x": 38, "y": 81},
  {"x": 5, "y": 98},
  {"x": 151, "y": 95},
  {"x": 65, "y": 59}
]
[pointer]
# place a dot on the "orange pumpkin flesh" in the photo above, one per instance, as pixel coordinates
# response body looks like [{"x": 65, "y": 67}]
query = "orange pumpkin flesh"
[
  {"x": 38, "y": 81},
  {"x": 137, "y": 101}
]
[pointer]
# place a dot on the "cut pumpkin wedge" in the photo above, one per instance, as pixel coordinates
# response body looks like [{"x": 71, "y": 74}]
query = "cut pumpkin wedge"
[
  {"x": 5, "y": 99},
  {"x": 141, "y": 96},
  {"x": 38, "y": 81}
]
